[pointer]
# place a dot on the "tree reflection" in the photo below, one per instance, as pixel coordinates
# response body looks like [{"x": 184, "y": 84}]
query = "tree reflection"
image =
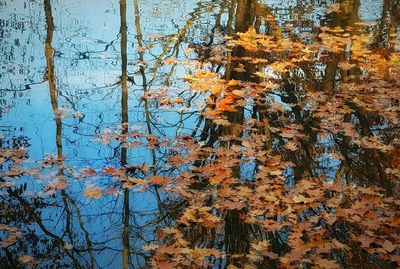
[
  {"x": 280, "y": 119},
  {"x": 307, "y": 158}
]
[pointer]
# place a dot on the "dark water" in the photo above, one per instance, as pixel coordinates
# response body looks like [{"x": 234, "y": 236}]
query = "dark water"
[{"x": 76, "y": 76}]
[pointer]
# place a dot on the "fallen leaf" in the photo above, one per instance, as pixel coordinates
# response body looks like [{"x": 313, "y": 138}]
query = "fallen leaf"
[
  {"x": 93, "y": 193},
  {"x": 26, "y": 259},
  {"x": 158, "y": 180},
  {"x": 389, "y": 246},
  {"x": 328, "y": 264},
  {"x": 88, "y": 172}
]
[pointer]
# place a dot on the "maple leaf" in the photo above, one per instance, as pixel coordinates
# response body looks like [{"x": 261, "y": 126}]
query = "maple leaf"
[
  {"x": 8, "y": 242},
  {"x": 389, "y": 246},
  {"x": 328, "y": 264},
  {"x": 111, "y": 191},
  {"x": 188, "y": 216},
  {"x": 93, "y": 193},
  {"x": 15, "y": 173},
  {"x": 62, "y": 185},
  {"x": 88, "y": 172},
  {"x": 6, "y": 184},
  {"x": 232, "y": 205},
  {"x": 153, "y": 139},
  {"x": 111, "y": 171},
  {"x": 4, "y": 227},
  {"x": 223, "y": 122},
  {"x": 158, "y": 180},
  {"x": 302, "y": 199},
  {"x": 292, "y": 145},
  {"x": 13, "y": 236},
  {"x": 170, "y": 60},
  {"x": 136, "y": 181},
  {"x": 339, "y": 245},
  {"x": 26, "y": 259}
]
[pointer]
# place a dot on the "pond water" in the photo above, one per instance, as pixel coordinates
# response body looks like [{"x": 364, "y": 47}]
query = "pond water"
[{"x": 120, "y": 118}]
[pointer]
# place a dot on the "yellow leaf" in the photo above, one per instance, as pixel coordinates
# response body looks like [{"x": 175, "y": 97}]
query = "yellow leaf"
[
  {"x": 170, "y": 60},
  {"x": 233, "y": 82},
  {"x": 238, "y": 93},
  {"x": 302, "y": 199}
]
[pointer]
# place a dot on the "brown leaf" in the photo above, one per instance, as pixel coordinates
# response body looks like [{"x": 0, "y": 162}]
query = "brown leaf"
[
  {"x": 26, "y": 259},
  {"x": 389, "y": 246},
  {"x": 328, "y": 264},
  {"x": 292, "y": 145},
  {"x": 232, "y": 205},
  {"x": 6, "y": 184},
  {"x": 302, "y": 199},
  {"x": 223, "y": 122},
  {"x": 88, "y": 172}
]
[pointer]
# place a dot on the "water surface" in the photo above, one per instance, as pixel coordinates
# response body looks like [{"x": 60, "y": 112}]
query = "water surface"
[{"x": 80, "y": 80}]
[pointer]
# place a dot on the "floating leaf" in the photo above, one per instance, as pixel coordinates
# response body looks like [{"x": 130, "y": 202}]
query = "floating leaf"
[
  {"x": 26, "y": 259},
  {"x": 93, "y": 193}
]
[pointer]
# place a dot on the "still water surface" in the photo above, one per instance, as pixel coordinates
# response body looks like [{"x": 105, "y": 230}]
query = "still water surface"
[{"x": 74, "y": 73}]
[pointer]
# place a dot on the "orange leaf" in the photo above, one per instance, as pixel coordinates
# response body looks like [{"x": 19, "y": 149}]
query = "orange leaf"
[
  {"x": 112, "y": 171},
  {"x": 158, "y": 180},
  {"x": 137, "y": 181},
  {"x": 93, "y": 193}
]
